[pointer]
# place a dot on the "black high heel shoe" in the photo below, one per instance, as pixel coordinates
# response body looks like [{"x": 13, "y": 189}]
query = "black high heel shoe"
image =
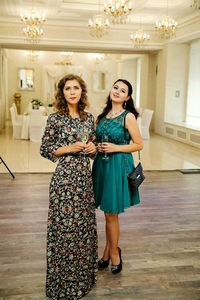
[
  {"x": 102, "y": 264},
  {"x": 117, "y": 268}
]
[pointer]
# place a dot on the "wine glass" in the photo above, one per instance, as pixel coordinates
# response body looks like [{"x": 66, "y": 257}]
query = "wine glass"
[
  {"x": 83, "y": 136},
  {"x": 104, "y": 139}
]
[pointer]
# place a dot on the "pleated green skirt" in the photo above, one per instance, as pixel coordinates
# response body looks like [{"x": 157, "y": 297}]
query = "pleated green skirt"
[{"x": 110, "y": 182}]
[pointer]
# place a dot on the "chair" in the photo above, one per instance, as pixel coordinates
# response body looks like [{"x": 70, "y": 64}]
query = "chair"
[
  {"x": 30, "y": 107},
  {"x": 17, "y": 122},
  {"x": 19, "y": 117},
  {"x": 145, "y": 123},
  {"x": 37, "y": 125},
  {"x": 140, "y": 110},
  {"x": 15, "y": 108}
]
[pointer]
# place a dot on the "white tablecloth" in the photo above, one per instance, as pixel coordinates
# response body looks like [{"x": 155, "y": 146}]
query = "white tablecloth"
[
  {"x": 25, "y": 127},
  {"x": 33, "y": 125}
]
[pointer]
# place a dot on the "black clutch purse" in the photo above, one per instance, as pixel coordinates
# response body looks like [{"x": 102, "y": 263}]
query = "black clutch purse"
[{"x": 136, "y": 177}]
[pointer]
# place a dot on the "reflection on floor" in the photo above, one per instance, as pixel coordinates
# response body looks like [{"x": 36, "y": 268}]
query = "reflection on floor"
[
  {"x": 159, "y": 240},
  {"x": 159, "y": 153}
]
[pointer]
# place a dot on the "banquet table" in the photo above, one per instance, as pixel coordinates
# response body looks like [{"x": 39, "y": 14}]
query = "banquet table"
[{"x": 33, "y": 125}]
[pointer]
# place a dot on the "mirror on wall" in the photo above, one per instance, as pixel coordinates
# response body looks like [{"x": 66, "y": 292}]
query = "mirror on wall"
[
  {"x": 99, "y": 81},
  {"x": 26, "y": 79}
]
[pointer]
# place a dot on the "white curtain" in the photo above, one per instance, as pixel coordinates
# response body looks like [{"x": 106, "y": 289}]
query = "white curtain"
[
  {"x": 3, "y": 88},
  {"x": 52, "y": 74}
]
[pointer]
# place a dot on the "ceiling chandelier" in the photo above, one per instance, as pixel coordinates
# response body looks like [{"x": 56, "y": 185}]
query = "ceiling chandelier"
[
  {"x": 33, "y": 33},
  {"x": 118, "y": 10},
  {"x": 166, "y": 26},
  {"x": 98, "y": 26},
  {"x": 66, "y": 60},
  {"x": 33, "y": 55},
  {"x": 140, "y": 38},
  {"x": 195, "y": 4},
  {"x": 33, "y": 21},
  {"x": 98, "y": 58}
]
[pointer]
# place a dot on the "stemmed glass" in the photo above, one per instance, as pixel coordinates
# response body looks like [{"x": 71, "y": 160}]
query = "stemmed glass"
[
  {"x": 104, "y": 139},
  {"x": 83, "y": 136}
]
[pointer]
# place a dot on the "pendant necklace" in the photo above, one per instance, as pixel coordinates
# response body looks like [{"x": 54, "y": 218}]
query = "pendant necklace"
[{"x": 113, "y": 114}]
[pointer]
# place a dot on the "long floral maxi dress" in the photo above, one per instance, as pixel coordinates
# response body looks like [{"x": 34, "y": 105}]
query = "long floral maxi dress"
[{"x": 71, "y": 232}]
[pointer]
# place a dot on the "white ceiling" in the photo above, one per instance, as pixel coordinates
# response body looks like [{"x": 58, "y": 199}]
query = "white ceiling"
[
  {"x": 81, "y": 10},
  {"x": 73, "y": 17}
]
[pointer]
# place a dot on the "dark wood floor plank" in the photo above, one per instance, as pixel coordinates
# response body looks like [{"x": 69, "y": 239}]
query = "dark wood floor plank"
[{"x": 160, "y": 240}]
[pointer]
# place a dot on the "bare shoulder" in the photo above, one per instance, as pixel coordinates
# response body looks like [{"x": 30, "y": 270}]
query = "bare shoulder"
[{"x": 130, "y": 117}]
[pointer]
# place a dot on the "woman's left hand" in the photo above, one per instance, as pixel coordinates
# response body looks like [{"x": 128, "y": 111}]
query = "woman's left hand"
[
  {"x": 109, "y": 147},
  {"x": 90, "y": 148}
]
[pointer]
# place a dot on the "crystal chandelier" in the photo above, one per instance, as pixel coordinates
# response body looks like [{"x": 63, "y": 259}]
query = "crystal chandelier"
[
  {"x": 166, "y": 27},
  {"x": 140, "y": 38},
  {"x": 67, "y": 57},
  {"x": 98, "y": 58},
  {"x": 118, "y": 10},
  {"x": 33, "y": 33},
  {"x": 33, "y": 21},
  {"x": 33, "y": 55},
  {"x": 195, "y": 4},
  {"x": 98, "y": 26}
]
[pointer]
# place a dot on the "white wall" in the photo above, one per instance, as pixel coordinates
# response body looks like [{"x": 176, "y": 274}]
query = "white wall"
[
  {"x": 18, "y": 59},
  {"x": 144, "y": 80},
  {"x": 113, "y": 65},
  {"x": 176, "y": 83},
  {"x": 172, "y": 75},
  {"x": 129, "y": 72},
  {"x": 160, "y": 92},
  {"x": 193, "y": 101},
  {"x": 161, "y": 75}
]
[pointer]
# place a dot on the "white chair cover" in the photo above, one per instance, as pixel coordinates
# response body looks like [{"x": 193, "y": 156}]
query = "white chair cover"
[
  {"x": 145, "y": 122},
  {"x": 16, "y": 123},
  {"x": 37, "y": 125}
]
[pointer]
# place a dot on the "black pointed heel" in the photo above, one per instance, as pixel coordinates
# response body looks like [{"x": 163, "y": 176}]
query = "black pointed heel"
[
  {"x": 117, "y": 268},
  {"x": 102, "y": 264}
]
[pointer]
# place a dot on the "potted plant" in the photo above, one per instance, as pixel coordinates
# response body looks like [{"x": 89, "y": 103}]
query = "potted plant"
[{"x": 36, "y": 103}]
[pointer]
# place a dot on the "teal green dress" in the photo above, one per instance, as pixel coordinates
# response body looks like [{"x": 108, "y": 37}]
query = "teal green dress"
[{"x": 110, "y": 181}]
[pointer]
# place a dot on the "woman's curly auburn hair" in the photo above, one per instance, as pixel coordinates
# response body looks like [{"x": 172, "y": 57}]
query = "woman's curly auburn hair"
[{"x": 61, "y": 103}]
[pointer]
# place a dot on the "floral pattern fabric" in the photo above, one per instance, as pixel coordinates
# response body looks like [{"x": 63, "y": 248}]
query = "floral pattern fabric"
[{"x": 72, "y": 232}]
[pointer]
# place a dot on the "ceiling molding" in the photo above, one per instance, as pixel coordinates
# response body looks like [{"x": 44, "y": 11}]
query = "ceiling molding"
[{"x": 61, "y": 31}]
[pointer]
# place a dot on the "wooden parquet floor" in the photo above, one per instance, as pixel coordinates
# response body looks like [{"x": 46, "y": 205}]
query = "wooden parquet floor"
[{"x": 160, "y": 240}]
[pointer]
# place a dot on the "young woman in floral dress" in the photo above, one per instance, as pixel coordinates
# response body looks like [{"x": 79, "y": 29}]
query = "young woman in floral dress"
[{"x": 72, "y": 235}]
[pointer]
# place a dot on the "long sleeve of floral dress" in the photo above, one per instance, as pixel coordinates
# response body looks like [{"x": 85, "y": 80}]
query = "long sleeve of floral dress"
[
  {"x": 62, "y": 130},
  {"x": 50, "y": 139}
]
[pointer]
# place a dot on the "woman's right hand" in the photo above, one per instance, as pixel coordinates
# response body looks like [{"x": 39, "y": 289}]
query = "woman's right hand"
[
  {"x": 99, "y": 147},
  {"x": 76, "y": 147}
]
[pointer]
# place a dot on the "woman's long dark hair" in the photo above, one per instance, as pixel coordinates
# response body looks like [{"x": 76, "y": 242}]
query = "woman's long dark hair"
[
  {"x": 128, "y": 105},
  {"x": 61, "y": 103}
]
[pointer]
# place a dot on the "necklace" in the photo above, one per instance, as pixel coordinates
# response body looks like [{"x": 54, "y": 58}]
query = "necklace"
[{"x": 113, "y": 114}]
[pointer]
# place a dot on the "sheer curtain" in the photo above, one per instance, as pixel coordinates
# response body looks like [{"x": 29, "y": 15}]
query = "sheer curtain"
[{"x": 3, "y": 88}]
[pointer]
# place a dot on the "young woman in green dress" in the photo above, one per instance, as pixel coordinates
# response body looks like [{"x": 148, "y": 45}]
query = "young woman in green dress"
[{"x": 118, "y": 136}]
